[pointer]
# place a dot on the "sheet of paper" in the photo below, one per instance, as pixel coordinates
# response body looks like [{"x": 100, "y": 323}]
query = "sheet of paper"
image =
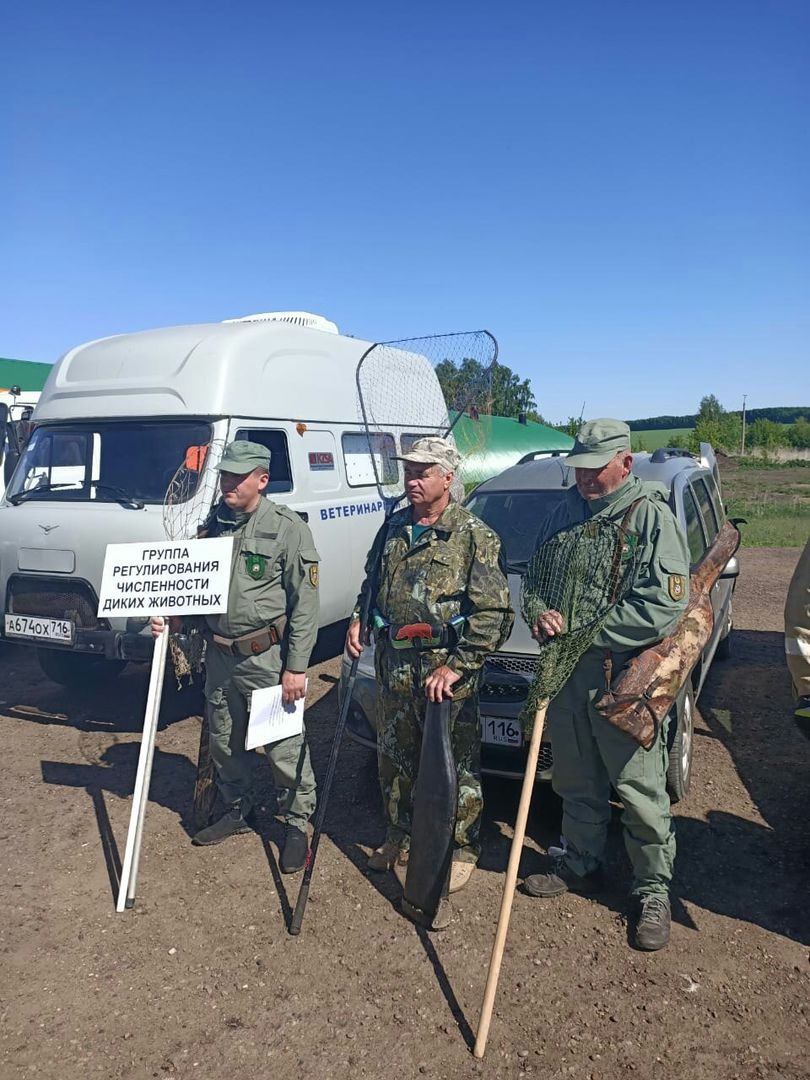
[{"x": 270, "y": 720}]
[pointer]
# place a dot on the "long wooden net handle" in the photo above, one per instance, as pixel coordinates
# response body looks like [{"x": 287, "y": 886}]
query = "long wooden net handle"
[{"x": 509, "y": 883}]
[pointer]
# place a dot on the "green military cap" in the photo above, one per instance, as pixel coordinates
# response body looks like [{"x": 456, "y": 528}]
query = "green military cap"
[
  {"x": 243, "y": 457},
  {"x": 597, "y": 442},
  {"x": 433, "y": 451}
]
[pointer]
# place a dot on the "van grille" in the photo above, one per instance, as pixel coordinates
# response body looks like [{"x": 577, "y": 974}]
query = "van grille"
[
  {"x": 546, "y": 758},
  {"x": 512, "y": 662},
  {"x": 50, "y": 599}
]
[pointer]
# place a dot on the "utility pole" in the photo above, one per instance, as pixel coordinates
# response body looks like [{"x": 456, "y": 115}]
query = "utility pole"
[{"x": 742, "y": 440}]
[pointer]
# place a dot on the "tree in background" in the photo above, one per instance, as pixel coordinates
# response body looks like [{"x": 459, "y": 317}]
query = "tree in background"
[
  {"x": 509, "y": 394},
  {"x": 799, "y": 434},
  {"x": 714, "y": 425}
]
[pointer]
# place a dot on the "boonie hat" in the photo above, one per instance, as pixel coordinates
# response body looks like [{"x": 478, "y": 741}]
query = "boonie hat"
[
  {"x": 597, "y": 442},
  {"x": 433, "y": 451},
  {"x": 242, "y": 457}
]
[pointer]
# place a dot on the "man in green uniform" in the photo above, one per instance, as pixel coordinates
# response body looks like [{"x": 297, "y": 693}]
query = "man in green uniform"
[
  {"x": 590, "y": 754},
  {"x": 431, "y": 563},
  {"x": 265, "y": 637}
]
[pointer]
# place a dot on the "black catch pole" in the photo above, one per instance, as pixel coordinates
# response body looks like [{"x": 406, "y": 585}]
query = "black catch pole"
[{"x": 323, "y": 793}]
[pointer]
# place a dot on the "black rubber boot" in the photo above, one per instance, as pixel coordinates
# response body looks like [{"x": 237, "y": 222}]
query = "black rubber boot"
[
  {"x": 230, "y": 824},
  {"x": 296, "y": 846},
  {"x": 652, "y": 928},
  {"x": 559, "y": 879}
]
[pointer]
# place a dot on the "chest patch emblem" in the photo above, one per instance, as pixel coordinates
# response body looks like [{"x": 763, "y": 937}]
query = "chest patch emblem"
[
  {"x": 677, "y": 586},
  {"x": 255, "y": 564}
]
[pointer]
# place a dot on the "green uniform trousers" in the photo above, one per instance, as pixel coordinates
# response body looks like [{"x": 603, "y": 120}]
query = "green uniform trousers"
[
  {"x": 590, "y": 755},
  {"x": 229, "y": 682},
  {"x": 401, "y": 705}
]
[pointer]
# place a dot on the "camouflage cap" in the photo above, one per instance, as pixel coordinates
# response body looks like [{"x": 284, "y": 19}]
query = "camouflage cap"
[
  {"x": 433, "y": 451},
  {"x": 243, "y": 457},
  {"x": 597, "y": 442}
]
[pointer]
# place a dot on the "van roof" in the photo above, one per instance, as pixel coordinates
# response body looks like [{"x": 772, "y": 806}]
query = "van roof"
[{"x": 267, "y": 369}]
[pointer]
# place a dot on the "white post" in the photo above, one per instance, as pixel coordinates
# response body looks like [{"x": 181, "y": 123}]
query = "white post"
[{"x": 129, "y": 869}]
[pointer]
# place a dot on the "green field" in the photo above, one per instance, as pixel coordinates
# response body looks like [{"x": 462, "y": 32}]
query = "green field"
[
  {"x": 652, "y": 439},
  {"x": 775, "y": 502}
]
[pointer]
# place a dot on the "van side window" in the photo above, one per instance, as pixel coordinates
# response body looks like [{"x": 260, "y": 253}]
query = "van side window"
[
  {"x": 276, "y": 443},
  {"x": 717, "y": 502},
  {"x": 694, "y": 527},
  {"x": 706, "y": 508},
  {"x": 358, "y": 460}
]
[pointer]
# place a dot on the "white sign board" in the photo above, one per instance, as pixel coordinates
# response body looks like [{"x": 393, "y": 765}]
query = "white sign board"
[{"x": 166, "y": 577}]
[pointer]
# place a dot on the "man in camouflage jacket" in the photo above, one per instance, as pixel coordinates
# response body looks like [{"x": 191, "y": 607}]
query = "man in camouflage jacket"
[{"x": 432, "y": 562}]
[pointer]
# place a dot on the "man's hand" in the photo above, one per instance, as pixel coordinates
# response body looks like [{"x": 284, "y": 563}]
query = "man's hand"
[
  {"x": 353, "y": 644},
  {"x": 293, "y": 686},
  {"x": 157, "y": 622},
  {"x": 548, "y": 625},
  {"x": 439, "y": 682}
]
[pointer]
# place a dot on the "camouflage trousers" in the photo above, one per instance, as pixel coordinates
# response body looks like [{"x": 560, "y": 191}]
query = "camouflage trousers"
[{"x": 401, "y": 705}]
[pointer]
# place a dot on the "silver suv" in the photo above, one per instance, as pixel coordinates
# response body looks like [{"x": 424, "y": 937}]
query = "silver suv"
[{"x": 513, "y": 504}]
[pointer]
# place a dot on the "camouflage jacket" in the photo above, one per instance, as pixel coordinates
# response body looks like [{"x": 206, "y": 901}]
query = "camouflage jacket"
[
  {"x": 454, "y": 568},
  {"x": 274, "y": 571},
  {"x": 660, "y": 590}
]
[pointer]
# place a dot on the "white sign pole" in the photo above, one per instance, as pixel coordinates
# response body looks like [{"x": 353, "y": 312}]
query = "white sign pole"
[
  {"x": 166, "y": 577},
  {"x": 132, "y": 853}
]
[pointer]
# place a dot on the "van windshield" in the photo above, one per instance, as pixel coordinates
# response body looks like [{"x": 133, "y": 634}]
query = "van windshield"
[
  {"x": 515, "y": 516},
  {"x": 103, "y": 460}
]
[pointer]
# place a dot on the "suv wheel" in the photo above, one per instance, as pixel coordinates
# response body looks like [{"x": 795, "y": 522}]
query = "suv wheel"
[
  {"x": 723, "y": 650},
  {"x": 681, "y": 740},
  {"x": 78, "y": 669}
]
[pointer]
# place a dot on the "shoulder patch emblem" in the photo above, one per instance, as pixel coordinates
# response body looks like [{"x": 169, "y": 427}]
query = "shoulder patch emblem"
[
  {"x": 677, "y": 586},
  {"x": 254, "y": 564},
  {"x": 313, "y": 575}
]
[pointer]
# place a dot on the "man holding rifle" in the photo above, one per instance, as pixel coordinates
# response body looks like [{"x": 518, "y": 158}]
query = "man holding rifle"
[
  {"x": 590, "y": 754},
  {"x": 440, "y": 605},
  {"x": 265, "y": 638}
]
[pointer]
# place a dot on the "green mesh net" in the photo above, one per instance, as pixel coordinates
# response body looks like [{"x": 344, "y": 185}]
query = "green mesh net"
[{"x": 581, "y": 572}]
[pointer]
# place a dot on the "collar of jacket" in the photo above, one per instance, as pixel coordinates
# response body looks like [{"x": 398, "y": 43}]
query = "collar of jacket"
[{"x": 447, "y": 522}]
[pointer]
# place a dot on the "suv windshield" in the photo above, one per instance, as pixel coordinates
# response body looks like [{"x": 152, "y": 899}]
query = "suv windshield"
[
  {"x": 105, "y": 460},
  {"x": 515, "y": 516}
]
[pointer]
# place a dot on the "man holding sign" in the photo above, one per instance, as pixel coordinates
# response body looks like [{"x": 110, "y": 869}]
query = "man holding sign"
[{"x": 264, "y": 639}]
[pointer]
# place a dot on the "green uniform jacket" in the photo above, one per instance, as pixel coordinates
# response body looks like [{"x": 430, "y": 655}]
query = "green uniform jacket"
[
  {"x": 659, "y": 594},
  {"x": 453, "y": 569},
  {"x": 274, "y": 571}
]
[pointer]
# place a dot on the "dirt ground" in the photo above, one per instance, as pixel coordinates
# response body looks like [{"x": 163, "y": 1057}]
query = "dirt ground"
[{"x": 202, "y": 979}]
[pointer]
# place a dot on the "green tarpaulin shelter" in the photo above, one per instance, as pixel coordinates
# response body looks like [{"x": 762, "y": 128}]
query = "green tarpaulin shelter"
[
  {"x": 23, "y": 373},
  {"x": 491, "y": 444}
]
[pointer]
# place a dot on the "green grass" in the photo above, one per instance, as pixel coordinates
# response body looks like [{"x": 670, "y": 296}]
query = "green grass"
[
  {"x": 652, "y": 439},
  {"x": 771, "y": 529},
  {"x": 774, "y": 501}
]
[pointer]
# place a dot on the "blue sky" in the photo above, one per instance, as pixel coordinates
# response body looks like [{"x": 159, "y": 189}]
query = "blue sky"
[{"x": 619, "y": 191}]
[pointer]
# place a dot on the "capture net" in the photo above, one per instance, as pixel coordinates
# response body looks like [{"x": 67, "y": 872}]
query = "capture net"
[
  {"x": 188, "y": 501},
  {"x": 410, "y": 389},
  {"x": 582, "y": 572}
]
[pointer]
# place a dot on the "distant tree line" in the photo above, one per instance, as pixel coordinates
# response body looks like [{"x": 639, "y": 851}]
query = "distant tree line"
[
  {"x": 724, "y": 430},
  {"x": 779, "y": 415}
]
